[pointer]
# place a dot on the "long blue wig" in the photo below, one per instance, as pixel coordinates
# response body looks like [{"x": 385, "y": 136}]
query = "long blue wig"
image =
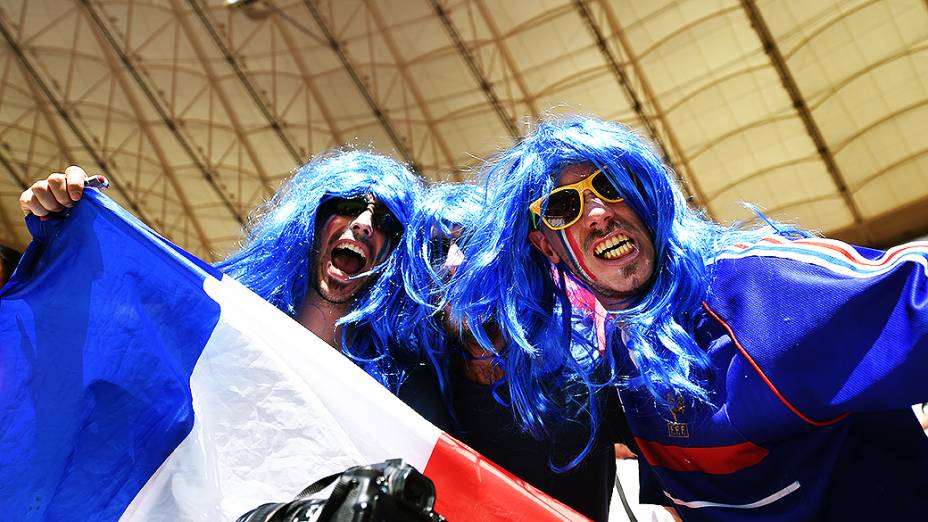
[
  {"x": 277, "y": 256},
  {"x": 445, "y": 210},
  {"x": 505, "y": 277}
]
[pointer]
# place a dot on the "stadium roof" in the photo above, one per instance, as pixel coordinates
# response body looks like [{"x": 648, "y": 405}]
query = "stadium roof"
[{"x": 197, "y": 110}]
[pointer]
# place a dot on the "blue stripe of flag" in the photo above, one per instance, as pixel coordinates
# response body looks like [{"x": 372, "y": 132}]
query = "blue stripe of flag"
[{"x": 100, "y": 329}]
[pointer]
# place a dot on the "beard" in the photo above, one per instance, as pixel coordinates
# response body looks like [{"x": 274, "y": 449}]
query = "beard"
[
  {"x": 641, "y": 287},
  {"x": 331, "y": 295}
]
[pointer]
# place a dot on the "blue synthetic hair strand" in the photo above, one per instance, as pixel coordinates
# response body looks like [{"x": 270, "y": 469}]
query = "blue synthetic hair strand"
[
  {"x": 277, "y": 255},
  {"x": 445, "y": 214},
  {"x": 505, "y": 277},
  {"x": 445, "y": 210}
]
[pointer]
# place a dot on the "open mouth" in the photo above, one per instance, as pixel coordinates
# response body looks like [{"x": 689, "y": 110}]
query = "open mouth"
[
  {"x": 348, "y": 258},
  {"x": 615, "y": 247}
]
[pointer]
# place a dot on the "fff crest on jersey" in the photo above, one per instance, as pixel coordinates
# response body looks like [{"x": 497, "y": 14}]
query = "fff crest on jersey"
[{"x": 677, "y": 429}]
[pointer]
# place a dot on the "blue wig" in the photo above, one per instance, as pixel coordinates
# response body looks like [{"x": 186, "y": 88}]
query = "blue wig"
[
  {"x": 444, "y": 212},
  {"x": 276, "y": 258},
  {"x": 505, "y": 277}
]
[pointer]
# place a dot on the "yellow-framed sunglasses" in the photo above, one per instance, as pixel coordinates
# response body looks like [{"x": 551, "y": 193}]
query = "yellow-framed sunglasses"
[{"x": 565, "y": 204}]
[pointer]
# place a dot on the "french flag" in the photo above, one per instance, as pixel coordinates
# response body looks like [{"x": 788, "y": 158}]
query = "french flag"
[{"x": 139, "y": 383}]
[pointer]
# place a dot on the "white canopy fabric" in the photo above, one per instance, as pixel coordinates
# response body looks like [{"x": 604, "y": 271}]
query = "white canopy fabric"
[{"x": 196, "y": 110}]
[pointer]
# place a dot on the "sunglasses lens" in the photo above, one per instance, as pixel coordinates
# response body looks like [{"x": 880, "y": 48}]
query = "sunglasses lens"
[
  {"x": 383, "y": 219},
  {"x": 387, "y": 222},
  {"x": 603, "y": 185},
  {"x": 349, "y": 207},
  {"x": 563, "y": 207}
]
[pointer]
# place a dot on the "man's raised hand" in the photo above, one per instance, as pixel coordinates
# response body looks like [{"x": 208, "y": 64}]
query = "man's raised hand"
[{"x": 55, "y": 193}]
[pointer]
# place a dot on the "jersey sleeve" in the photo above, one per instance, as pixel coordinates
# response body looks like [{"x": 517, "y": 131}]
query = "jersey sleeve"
[{"x": 830, "y": 328}]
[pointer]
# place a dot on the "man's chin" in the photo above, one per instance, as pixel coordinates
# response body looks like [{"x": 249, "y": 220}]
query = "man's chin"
[
  {"x": 336, "y": 292},
  {"x": 623, "y": 293}
]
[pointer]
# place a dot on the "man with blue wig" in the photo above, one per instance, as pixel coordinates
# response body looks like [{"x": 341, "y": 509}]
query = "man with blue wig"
[
  {"x": 766, "y": 374},
  {"x": 473, "y": 379},
  {"x": 324, "y": 251}
]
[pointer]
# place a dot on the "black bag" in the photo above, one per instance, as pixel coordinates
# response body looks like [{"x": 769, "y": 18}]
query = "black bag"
[{"x": 388, "y": 491}]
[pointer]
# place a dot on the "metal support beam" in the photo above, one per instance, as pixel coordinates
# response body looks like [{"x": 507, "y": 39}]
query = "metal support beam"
[
  {"x": 655, "y": 104},
  {"x": 246, "y": 82},
  {"x": 504, "y": 52},
  {"x": 34, "y": 76},
  {"x": 294, "y": 51},
  {"x": 411, "y": 85},
  {"x": 475, "y": 71},
  {"x": 375, "y": 108},
  {"x": 227, "y": 104},
  {"x": 4, "y": 218},
  {"x": 49, "y": 120},
  {"x": 166, "y": 118},
  {"x": 308, "y": 80},
  {"x": 163, "y": 160},
  {"x": 630, "y": 93},
  {"x": 799, "y": 103}
]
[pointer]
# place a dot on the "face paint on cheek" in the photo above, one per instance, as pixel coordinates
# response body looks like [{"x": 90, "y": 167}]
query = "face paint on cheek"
[{"x": 573, "y": 256}]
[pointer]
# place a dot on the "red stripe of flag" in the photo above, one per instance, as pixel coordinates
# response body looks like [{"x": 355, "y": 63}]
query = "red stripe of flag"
[{"x": 470, "y": 487}]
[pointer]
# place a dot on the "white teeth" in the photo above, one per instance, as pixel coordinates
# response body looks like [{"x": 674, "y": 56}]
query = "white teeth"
[
  {"x": 611, "y": 242},
  {"x": 353, "y": 248}
]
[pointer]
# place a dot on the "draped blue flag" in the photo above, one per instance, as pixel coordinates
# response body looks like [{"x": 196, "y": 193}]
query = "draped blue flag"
[{"x": 72, "y": 413}]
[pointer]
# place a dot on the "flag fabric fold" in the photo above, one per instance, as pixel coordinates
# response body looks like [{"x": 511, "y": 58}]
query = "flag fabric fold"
[{"x": 139, "y": 383}]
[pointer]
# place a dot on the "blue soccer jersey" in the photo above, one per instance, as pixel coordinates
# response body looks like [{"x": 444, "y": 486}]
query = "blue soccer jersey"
[{"x": 818, "y": 349}]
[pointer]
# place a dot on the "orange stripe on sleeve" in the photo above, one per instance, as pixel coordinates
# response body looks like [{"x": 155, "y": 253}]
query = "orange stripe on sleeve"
[{"x": 766, "y": 380}]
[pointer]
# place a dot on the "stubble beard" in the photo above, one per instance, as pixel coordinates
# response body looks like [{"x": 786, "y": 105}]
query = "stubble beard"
[
  {"x": 628, "y": 271},
  {"x": 625, "y": 297},
  {"x": 328, "y": 296},
  {"x": 336, "y": 286}
]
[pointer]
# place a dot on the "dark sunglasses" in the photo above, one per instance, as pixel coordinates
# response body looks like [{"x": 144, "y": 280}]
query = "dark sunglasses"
[
  {"x": 382, "y": 218},
  {"x": 565, "y": 204}
]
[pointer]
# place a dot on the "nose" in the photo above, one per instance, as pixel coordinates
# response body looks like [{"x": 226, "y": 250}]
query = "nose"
[
  {"x": 598, "y": 212},
  {"x": 453, "y": 260},
  {"x": 362, "y": 225}
]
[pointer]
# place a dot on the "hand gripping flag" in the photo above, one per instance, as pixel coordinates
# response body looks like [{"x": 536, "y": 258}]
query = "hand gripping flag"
[{"x": 139, "y": 383}]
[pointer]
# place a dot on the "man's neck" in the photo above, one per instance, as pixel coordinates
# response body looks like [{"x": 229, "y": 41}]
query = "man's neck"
[{"x": 319, "y": 317}]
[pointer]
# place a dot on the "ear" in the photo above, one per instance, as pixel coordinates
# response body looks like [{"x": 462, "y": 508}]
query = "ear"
[{"x": 540, "y": 241}]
